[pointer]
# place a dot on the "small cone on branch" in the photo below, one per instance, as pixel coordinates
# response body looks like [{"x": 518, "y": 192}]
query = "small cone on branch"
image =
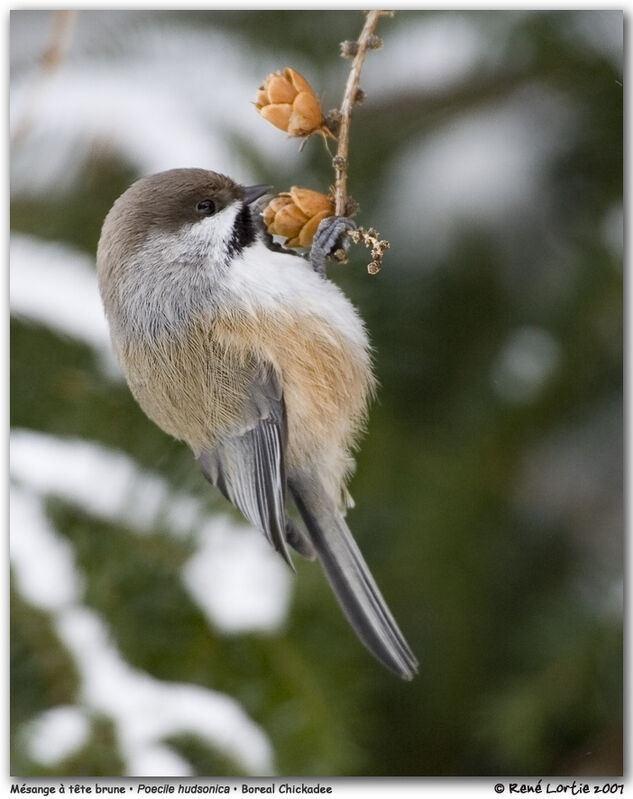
[
  {"x": 288, "y": 102},
  {"x": 296, "y": 215}
]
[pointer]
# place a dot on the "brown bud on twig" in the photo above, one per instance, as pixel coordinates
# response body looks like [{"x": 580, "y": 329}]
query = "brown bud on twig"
[
  {"x": 339, "y": 162},
  {"x": 359, "y": 97},
  {"x": 351, "y": 207},
  {"x": 332, "y": 120},
  {"x": 374, "y": 42},
  {"x": 349, "y": 49},
  {"x": 296, "y": 215}
]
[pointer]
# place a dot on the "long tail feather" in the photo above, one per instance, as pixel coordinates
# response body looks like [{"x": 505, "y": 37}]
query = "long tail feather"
[{"x": 352, "y": 582}]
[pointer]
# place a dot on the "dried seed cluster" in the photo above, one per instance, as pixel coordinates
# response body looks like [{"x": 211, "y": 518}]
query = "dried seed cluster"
[{"x": 370, "y": 239}]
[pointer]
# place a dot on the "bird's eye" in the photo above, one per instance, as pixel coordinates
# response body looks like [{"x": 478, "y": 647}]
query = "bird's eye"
[{"x": 206, "y": 208}]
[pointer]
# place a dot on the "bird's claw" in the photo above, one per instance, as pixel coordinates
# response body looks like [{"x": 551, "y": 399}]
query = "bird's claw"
[{"x": 329, "y": 237}]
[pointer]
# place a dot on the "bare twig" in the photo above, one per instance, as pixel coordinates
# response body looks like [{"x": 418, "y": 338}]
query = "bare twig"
[
  {"x": 63, "y": 24},
  {"x": 358, "y": 50},
  {"x": 50, "y": 60},
  {"x": 343, "y": 204},
  {"x": 273, "y": 97}
]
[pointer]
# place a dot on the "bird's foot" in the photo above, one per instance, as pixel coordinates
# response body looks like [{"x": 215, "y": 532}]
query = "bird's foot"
[{"x": 330, "y": 239}]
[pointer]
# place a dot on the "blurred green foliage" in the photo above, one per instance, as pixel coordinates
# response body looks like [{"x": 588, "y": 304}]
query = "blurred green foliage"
[{"x": 521, "y": 668}]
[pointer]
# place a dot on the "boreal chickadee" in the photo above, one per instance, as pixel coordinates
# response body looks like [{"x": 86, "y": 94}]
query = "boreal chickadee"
[{"x": 255, "y": 360}]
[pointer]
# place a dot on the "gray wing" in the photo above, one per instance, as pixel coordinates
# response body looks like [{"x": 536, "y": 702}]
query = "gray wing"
[{"x": 248, "y": 467}]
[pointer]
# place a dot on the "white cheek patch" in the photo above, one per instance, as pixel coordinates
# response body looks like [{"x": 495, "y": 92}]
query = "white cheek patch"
[
  {"x": 206, "y": 241},
  {"x": 216, "y": 231}
]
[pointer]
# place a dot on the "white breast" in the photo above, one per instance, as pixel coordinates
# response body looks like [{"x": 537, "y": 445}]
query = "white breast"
[{"x": 261, "y": 279}]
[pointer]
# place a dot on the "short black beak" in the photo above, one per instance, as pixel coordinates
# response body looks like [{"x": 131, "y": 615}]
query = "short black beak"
[{"x": 252, "y": 193}]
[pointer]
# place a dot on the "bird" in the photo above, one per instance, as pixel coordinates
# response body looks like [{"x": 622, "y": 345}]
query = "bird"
[{"x": 257, "y": 361}]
